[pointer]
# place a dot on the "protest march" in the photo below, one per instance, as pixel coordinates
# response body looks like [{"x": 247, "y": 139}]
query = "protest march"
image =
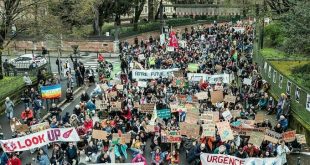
[{"x": 183, "y": 98}]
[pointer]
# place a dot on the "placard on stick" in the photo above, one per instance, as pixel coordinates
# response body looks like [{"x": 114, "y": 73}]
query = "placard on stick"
[
  {"x": 230, "y": 99},
  {"x": 112, "y": 94},
  {"x": 39, "y": 127},
  {"x": 190, "y": 130},
  {"x": 256, "y": 138},
  {"x": 99, "y": 134},
  {"x": 259, "y": 118},
  {"x": 22, "y": 128},
  {"x": 147, "y": 108},
  {"x": 202, "y": 95},
  {"x": 225, "y": 131},
  {"x": 217, "y": 96},
  {"x": 123, "y": 139},
  {"x": 301, "y": 138},
  {"x": 235, "y": 113},
  {"x": 116, "y": 106},
  {"x": 208, "y": 129},
  {"x": 289, "y": 136},
  {"x": 272, "y": 136}
]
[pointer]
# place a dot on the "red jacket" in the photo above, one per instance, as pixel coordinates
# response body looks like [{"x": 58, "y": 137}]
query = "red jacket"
[
  {"x": 15, "y": 161},
  {"x": 28, "y": 115},
  {"x": 88, "y": 124}
]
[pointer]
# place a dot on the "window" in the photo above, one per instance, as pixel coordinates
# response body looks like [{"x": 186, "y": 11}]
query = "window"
[
  {"x": 280, "y": 81},
  {"x": 274, "y": 77}
]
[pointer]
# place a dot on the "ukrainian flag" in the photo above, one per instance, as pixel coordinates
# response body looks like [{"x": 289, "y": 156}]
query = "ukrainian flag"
[{"x": 51, "y": 92}]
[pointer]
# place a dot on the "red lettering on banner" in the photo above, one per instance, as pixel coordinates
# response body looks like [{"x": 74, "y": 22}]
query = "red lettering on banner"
[
  {"x": 209, "y": 160},
  {"x": 226, "y": 160},
  {"x": 57, "y": 133},
  {"x": 20, "y": 146},
  {"x": 220, "y": 159},
  {"x": 35, "y": 140},
  {"x": 214, "y": 159},
  {"x": 41, "y": 138},
  {"x": 28, "y": 142}
]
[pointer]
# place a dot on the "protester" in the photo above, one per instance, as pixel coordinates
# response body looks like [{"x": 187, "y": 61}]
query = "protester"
[
  {"x": 282, "y": 150},
  {"x": 9, "y": 108},
  {"x": 27, "y": 80}
]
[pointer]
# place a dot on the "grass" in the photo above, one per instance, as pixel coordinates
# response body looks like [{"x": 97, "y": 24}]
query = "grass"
[
  {"x": 10, "y": 84},
  {"x": 271, "y": 53},
  {"x": 286, "y": 67}
]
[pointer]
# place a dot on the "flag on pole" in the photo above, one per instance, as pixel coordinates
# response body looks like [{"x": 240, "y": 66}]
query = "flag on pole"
[{"x": 51, "y": 92}]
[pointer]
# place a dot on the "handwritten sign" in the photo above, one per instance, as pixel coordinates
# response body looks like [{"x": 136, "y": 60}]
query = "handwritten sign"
[
  {"x": 272, "y": 136},
  {"x": 120, "y": 87},
  {"x": 289, "y": 136},
  {"x": 216, "y": 116},
  {"x": 147, "y": 108},
  {"x": 116, "y": 106},
  {"x": 22, "y": 128},
  {"x": 256, "y": 138},
  {"x": 235, "y": 113},
  {"x": 190, "y": 130},
  {"x": 227, "y": 115},
  {"x": 217, "y": 96},
  {"x": 230, "y": 99},
  {"x": 207, "y": 117},
  {"x": 301, "y": 138},
  {"x": 164, "y": 113},
  {"x": 218, "y": 88},
  {"x": 174, "y": 137},
  {"x": 247, "y": 122},
  {"x": 123, "y": 139},
  {"x": 202, "y": 95},
  {"x": 191, "y": 118},
  {"x": 247, "y": 81},
  {"x": 259, "y": 118},
  {"x": 225, "y": 131},
  {"x": 112, "y": 94},
  {"x": 99, "y": 134},
  {"x": 39, "y": 127},
  {"x": 208, "y": 129}
]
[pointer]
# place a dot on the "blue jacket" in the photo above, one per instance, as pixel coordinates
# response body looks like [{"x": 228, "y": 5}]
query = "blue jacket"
[
  {"x": 123, "y": 150},
  {"x": 284, "y": 123},
  {"x": 44, "y": 160},
  {"x": 90, "y": 105}
]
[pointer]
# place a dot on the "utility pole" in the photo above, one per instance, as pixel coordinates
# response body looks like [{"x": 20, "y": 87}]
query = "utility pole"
[{"x": 161, "y": 10}]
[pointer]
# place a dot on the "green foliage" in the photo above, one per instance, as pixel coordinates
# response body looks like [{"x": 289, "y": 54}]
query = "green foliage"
[
  {"x": 274, "y": 33},
  {"x": 7, "y": 87},
  {"x": 271, "y": 53}
]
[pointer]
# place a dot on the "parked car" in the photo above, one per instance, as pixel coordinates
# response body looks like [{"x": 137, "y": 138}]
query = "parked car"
[{"x": 24, "y": 61}]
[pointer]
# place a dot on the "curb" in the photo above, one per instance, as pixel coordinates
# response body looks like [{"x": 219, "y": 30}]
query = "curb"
[{"x": 64, "y": 101}]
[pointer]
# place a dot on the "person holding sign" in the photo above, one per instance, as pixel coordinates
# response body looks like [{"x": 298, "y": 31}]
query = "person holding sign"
[
  {"x": 173, "y": 158},
  {"x": 282, "y": 150}
]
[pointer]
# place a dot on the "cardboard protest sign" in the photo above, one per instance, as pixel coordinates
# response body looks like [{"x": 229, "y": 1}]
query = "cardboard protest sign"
[
  {"x": 247, "y": 122},
  {"x": 208, "y": 129},
  {"x": 202, "y": 95},
  {"x": 178, "y": 82},
  {"x": 112, "y": 94},
  {"x": 218, "y": 68},
  {"x": 230, "y": 99},
  {"x": 301, "y": 138},
  {"x": 21, "y": 128},
  {"x": 256, "y": 138},
  {"x": 247, "y": 81},
  {"x": 218, "y": 88},
  {"x": 272, "y": 136},
  {"x": 147, "y": 108},
  {"x": 191, "y": 118},
  {"x": 123, "y": 139},
  {"x": 149, "y": 128},
  {"x": 207, "y": 117},
  {"x": 116, "y": 106},
  {"x": 259, "y": 118},
  {"x": 174, "y": 137},
  {"x": 235, "y": 113},
  {"x": 190, "y": 130},
  {"x": 104, "y": 87},
  {"x": 225, "y": 131},
  {"x": 216, "y": 116},
  {"x": 178, "y": 73},
  {"x": 164, "y": 113},
  {"x": 142, "y": 84},
  {"x": 39, "y": 127},
  {"x": 120, "y": 87},
  {"x": 227, "y": 115},
  {"x": 217, "y": 96},
  {"x": 99, "y": 134},
  {"x": 289, "y": 136},
  {"x": 136, "y": 105},
  {"x": 247, "y": 131}
]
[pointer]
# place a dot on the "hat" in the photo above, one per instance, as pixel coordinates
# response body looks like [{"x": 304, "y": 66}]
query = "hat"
[{"x": 7, "y": 99}]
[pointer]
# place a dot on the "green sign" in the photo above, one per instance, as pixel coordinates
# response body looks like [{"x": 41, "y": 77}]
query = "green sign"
[
  {"x": 164, "y": 113},
  {"x": 192, "y": 67}
]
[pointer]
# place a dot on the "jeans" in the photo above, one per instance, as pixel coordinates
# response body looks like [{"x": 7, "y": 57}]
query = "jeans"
[{"x": 279, "y": 113}]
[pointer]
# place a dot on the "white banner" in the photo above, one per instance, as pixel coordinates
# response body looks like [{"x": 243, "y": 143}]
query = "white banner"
[
  {"x": 40, "y": 139},
  {"x": 212, "y": 79},
  {"x": 152, "y": 73},
  {"x": 219, "y": 159}
]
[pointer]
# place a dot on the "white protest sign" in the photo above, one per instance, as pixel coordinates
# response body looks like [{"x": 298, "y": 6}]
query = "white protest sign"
[
  {"x": 170, "y": 48},
  {"x": 247, "y": 81},
  {"x": 238, "y": 29},
  {"x": 212, "y": 79},
  {"x": 40, "y": 139},
  {"x": 227, "y": 115},
  {"x": 152, "y": 73},
  {"x": 142, "y": 84},
  {"x": 220, "y": 159}
]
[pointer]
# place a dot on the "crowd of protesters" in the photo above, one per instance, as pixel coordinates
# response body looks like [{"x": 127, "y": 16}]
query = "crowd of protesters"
[{"x": 229, "y": 49}]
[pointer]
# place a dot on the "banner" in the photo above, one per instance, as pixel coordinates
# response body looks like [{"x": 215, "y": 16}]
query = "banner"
[
  {"x": 152, "y": 73},
  {"x": 212, "y": 79},
  {"x": 40, "y": 139},
  {"x": 51, "y": 92},
  {"x": 219, "y": 159},
  {"x": 173, "y": 40}
]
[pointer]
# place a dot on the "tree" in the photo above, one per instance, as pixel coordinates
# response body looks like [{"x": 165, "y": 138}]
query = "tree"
[
  {"x": 296, "y": 23},
  {"x": 12, "y": 13},
  {"x": 139, "y": 5}
]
